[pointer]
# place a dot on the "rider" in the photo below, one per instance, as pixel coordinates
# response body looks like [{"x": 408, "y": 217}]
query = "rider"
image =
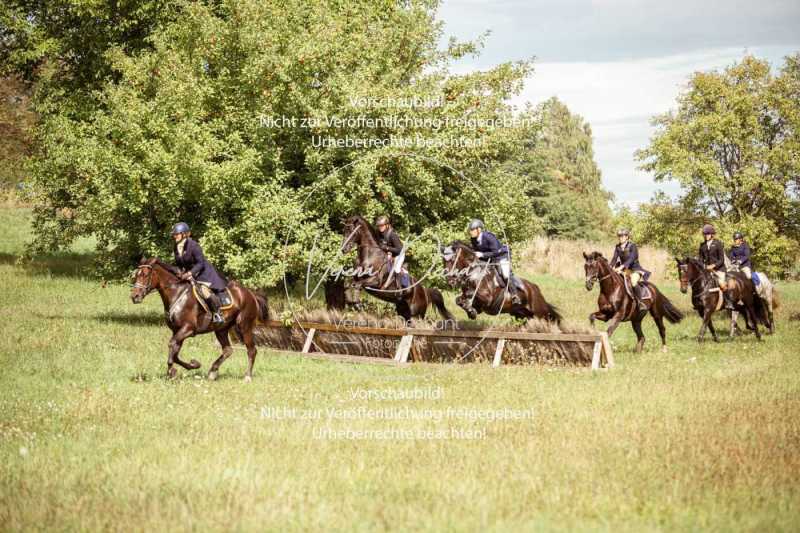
[
  {"x": 194, "y": 266},
  {"x": 392, "y": 245},
  {"x": 740, "y": 253},
  {"x": 626, "y": 258},
  {"x": 488, "y": 248},
  {"x": 712, "y": 252}
]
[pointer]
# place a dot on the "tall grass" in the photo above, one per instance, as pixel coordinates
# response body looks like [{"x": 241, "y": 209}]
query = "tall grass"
[{"x": 564, "y": 258}]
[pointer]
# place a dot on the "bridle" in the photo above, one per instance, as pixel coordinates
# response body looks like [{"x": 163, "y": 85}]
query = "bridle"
[
  {"x": 595, "y": 278},
  {"x": 147, "y": 287}
]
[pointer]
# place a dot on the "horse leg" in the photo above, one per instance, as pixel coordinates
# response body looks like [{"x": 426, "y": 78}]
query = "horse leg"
[
  {"x": 734, "y": 318},
  {"x": 247, "y": 338},
  {"x": 662, "y": 331},
  {"x": 227, "y": 350},
  {"x": 175, "y": 344},
  {"x": 706, "y": 325},
  {"x": 637, "y": 328},
  {"x": 712, "y": 330},
  {"x": 597, "y": 315},
  {"x": 612, "y": 326},
  {"x": 752, "y": 316}
]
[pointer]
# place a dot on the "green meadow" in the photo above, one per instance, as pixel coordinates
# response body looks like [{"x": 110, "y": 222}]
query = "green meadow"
[{"x": 92, "y": 435}]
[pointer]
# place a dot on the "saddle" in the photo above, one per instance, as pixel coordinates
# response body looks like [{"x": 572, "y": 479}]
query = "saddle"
[
  {"x": 644, "y": 288},
  {"x": 202, "y": 293}
]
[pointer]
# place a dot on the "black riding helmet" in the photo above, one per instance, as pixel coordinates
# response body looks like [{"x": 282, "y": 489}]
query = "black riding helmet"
[{"x": 738, "y": 235}]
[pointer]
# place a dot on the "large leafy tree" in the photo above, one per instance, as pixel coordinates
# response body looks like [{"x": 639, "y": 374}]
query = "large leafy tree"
[
  {"x": 175, "y": 131},
  {"x": 733, "y": 145},
  {"x": 562, "y": 179}
]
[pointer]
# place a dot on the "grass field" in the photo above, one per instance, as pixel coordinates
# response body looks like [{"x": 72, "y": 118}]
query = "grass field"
[{"x": 93, "y": 437}]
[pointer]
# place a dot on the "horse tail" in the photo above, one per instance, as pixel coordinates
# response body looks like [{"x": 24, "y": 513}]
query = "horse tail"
[
  {"x": 671, "y": 313},
  {"x": 261, "y": 305},
  {"x": 436, "y": 297},
  {"x": 761, "y": 312},
  {"x": 553, "y": 315},
  {"x": 776, "y": 301}
]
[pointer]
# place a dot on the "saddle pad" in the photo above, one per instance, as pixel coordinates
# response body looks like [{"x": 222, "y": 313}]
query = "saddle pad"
[
  {"x": 754, "y": 276},
  {"x": 226, "y": 299},
  {"x": 647, "y": 294}
]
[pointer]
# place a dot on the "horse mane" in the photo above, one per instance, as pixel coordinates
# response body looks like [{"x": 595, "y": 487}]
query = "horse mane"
[
  {"x": 596, "y": 256},
  {"x": 369, "y": 226},
  {"x": 462, "y": 245},
  {"x": 155, "y": 261}
]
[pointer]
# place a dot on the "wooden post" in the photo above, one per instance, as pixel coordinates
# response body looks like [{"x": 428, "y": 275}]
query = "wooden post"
[
  {"x": 309, "y": 340},
  {"x": 598, "y": 347},
  {"x": 498, "y": 353},
  {"x": 609, "y": 353},
  {"x": 403, "y": 347}
]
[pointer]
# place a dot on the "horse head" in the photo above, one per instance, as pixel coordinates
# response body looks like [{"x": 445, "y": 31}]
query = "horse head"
[
  {"x": 689, "y": 270},
  {"x": 355, "y": 228},
  {"x": 457, "y": 257},
  {"x": 145, "y": 280},
  {"x": 594, "y": 267}
]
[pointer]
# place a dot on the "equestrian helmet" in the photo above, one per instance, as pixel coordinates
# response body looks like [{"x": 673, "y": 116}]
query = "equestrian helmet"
[
  {"x": 382, "y": 220},
  {"x": 475, "y": 223},
  {"x": 738, "y": 235},
  {"x": 180, "y": 227},
  {"x": 623, "y": 231},
  {"x": 708, "y": 229}
]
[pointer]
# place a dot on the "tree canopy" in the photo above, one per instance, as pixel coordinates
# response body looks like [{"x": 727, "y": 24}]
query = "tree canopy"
[{"x": 733, "y": 144}]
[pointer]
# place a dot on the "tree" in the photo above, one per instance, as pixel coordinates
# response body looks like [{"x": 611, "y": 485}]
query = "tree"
[
  {"x": 563, "y": 181},
  {"x": 180, "y": 130},
  {"x": 732, "y": 144}
]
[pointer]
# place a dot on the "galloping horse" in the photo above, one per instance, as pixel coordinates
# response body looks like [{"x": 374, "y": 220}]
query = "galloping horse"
[
  {"x": 375, "y": 270},
  {"x": 186, "y": 317},
  {"x": 707, "y": 297},
  {"x": 481, "y": 291},
  {"x": 616, "y": 305}
]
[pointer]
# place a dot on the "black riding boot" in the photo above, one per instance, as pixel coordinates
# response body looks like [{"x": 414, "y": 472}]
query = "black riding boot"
[
  {"x": 637, "y": 293},
  {"x": 214, "y": 304},
  {"x": 515, "y": 290},
  {"x": 728, "y": 302}
]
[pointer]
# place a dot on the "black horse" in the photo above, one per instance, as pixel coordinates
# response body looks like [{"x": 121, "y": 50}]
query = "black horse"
[
  {"x": 482, "y": 292},
  {"x": 617, "y": 305},
  {"x": 374, "y": 270}
]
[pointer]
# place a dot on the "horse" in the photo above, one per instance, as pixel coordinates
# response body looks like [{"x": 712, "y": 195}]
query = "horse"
[
  {"x": 374, "y": 270},
  {"x": 481, "y": 291},
  {"x": 617, "y": 305},
  {"x": 187, "y": 317},
  {"x": 766, "y": 291}
]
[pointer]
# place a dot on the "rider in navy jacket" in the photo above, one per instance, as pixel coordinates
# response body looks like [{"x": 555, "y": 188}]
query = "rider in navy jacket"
[{"x": 189, "y": 257}]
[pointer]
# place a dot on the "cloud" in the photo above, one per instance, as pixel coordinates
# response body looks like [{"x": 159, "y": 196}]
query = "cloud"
[
  {"x": 610, "y": 30},
  {"x": 618, "y": 99}
]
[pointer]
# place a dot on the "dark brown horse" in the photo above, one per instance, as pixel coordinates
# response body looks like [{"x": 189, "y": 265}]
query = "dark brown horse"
[
  {"x": 482, "y": 292},
  {"x": 374, "y": 270},
  {"x": 707, "y": 298},
  {"x": 616, "y": 305},
  {"x": 186, "y": 317}
]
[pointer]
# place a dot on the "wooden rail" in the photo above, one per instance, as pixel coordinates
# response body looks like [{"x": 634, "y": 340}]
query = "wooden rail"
[{"x": 602, "y": 352}]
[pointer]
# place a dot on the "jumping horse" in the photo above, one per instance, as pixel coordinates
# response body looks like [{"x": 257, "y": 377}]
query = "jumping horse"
[
  {"x": 186, "y": 316},
  {"x": 375, "y": 269},
  {"x": 482, "y": 292},
  {"x": 617, "y": 305}
]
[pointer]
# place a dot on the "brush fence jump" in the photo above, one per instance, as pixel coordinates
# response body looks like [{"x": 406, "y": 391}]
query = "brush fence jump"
[{"x": 390, "y": 346}]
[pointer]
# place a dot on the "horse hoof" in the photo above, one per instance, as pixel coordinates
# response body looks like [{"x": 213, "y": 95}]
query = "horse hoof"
[
  {"x": 664, "y": 349},
  {"x": 212, "y": 376},
  {"x": 195, "y": 363},
  {"x": 172, "y": 373},
  {"x": 248, "y": 379}
]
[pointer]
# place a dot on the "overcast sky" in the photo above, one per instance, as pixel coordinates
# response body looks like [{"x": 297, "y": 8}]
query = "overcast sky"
[{"x": 619, "y": 62}]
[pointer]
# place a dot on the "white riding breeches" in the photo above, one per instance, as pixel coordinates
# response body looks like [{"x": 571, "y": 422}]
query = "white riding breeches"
[
  {"x": 505, "y": 268},
  {"x": 397, "y": 266},
  {"x": 747, "y": 272}
]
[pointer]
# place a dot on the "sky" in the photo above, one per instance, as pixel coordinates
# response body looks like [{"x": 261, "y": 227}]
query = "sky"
[{"x": 617, "y": 63}]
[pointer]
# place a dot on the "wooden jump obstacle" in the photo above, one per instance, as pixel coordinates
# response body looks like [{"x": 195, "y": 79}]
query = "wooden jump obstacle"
[{"x": 602, "y": 354}]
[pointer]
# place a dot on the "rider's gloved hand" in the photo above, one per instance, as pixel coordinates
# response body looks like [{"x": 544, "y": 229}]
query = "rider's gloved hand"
[
  {"x": 479, "y": 254},
  {"x": 186, "y": 276}
]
